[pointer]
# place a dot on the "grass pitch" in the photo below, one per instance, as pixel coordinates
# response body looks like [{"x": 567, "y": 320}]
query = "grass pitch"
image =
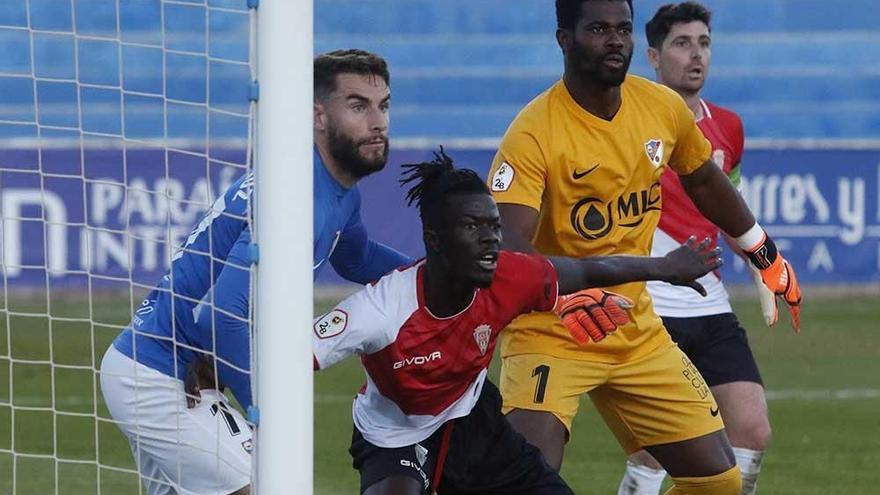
[{"x": 55, "y": 436}]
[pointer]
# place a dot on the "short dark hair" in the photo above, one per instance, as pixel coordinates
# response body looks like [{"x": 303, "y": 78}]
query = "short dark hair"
[
  {"x": 657, "y": 29},
  {"x": 569, "y": 11},
  {"x": 352, "y": 61},
  {"x": 434, "y": 182}
]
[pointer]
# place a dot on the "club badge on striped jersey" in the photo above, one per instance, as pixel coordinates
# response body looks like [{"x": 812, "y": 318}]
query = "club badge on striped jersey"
[
  {"x": 654, "y": 150},
  {"x": 481, "y": 336}
]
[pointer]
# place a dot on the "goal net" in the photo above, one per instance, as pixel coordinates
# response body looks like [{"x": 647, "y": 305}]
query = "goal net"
[{"x": 120, "y": 123}]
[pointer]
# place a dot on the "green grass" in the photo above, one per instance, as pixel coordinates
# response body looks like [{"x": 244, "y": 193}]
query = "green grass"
[{"x": 820, "y": 444}]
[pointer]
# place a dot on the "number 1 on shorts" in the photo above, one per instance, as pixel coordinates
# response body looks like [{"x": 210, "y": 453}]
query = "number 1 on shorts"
[{"x": 542, "y": 372}]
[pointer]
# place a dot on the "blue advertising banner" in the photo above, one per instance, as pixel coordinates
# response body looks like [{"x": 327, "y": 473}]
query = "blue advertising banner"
[
  {"x": 105, "y": 217},
  {"x": 114, "y": 217},
  {"x": 821, "y": 206}
]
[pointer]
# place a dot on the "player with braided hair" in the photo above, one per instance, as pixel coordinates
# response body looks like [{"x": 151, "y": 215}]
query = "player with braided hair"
[{"x": 427, "y": 418}]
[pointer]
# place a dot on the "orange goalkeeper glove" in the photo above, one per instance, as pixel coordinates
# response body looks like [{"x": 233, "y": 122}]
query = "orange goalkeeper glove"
[
  {"x": 778, "y": 276},
  {"x": 593, "y": 313}
]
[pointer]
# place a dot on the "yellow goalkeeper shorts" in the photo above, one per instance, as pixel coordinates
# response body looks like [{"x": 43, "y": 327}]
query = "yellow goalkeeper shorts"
[{"x": 657, "y": 399}]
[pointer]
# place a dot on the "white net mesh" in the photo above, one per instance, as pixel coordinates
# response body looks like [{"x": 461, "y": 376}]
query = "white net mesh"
[{"x": 120, "y": 122}]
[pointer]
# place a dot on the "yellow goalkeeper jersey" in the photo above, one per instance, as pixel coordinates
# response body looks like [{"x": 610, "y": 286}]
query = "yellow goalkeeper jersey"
[{"x": 596, "y": 184}]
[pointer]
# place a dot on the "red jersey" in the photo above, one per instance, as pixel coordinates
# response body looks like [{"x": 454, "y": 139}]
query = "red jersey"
[
  {"x": 680, "y": 218},
  {"x": 423, "y": 370}
]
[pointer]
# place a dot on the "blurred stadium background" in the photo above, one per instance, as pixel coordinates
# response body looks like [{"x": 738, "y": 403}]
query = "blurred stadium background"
[{"x": 120, "y": 120}]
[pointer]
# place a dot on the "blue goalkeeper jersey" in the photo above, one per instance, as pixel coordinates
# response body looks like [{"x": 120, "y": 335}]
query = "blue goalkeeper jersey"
[{"x": 167, "y": 332}]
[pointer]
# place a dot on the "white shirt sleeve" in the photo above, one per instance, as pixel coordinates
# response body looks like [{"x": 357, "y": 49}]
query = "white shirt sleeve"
[
  {"x": 366, "y": 322},
  {"x": 357, "y": 325}
]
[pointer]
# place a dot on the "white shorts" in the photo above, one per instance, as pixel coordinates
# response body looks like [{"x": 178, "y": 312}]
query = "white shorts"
[{"x": 203, "y": 450}]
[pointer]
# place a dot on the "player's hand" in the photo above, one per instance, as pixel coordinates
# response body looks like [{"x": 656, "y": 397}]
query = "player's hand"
[
  {"x": 593, "y": 313},
  {"x": 778, "y": 275},
  {"x": 690, "y": 261},
  {"x": 199, "y": 375}
]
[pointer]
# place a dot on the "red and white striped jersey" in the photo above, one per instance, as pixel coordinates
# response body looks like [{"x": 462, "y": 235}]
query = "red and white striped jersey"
[
  {"x": 423, "y": 370},
  {"x": 680, "y": 219}
]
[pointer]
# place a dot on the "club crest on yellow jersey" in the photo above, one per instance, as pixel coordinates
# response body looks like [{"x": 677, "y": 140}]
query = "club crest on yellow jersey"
[{"x": 654, "y": 150}]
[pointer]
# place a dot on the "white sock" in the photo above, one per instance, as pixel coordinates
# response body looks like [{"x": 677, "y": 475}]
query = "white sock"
[
  {"x": 641, "y": 480},
  {"x": 749, "y": 462}
]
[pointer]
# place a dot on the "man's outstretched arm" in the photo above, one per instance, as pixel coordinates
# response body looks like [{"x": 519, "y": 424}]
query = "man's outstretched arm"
[
  {"x": 680, "y": 267},
  {"x": 592, "y": 313},
  {"x": 716, "y": 198}
]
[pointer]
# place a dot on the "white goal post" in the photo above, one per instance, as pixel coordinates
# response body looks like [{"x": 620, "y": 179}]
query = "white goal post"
[
  {"x": 284, "y": 235},
  {"x": 120, "y": 123}
]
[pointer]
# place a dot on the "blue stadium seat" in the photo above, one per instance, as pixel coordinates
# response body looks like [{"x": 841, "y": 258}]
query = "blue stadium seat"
[{"x": 460, "y": 68}]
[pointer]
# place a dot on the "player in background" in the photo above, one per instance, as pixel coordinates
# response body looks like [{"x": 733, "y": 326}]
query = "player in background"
[
  {"x": 680, "y": 48},
  {"x": 352, "y": 102},
  {"x": 143, "y": 371},
  {"x": 427, "y": 418},
  {"x": 578, "y": 174}
]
